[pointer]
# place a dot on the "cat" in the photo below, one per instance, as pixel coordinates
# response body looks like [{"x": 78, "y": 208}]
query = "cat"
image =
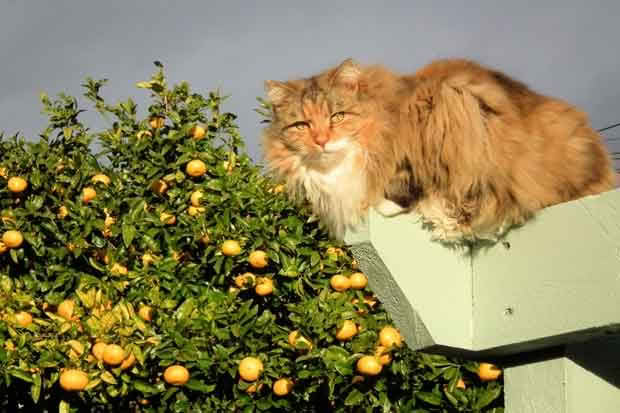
[{"x": 471, "y": 150}]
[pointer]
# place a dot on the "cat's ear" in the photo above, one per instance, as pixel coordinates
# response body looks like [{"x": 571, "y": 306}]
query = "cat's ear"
[
  {"x": 276, "y": 91},
  {"x": 347, "y": 74}
]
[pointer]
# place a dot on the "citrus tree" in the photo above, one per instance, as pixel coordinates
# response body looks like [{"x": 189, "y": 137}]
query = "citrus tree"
[{"x": 167, "y": 273}]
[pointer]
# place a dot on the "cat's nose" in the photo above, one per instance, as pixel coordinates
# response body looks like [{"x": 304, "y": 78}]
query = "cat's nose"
[{"x": 321, "y": 139}]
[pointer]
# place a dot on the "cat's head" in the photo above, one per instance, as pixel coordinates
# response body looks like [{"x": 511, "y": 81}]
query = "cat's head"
[
  {"x": 324, "y": 136},
  {"x": 315, "y": 121}
]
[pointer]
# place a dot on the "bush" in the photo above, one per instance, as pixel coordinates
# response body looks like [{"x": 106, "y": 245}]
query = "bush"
[{"x": 160, "y": 286}]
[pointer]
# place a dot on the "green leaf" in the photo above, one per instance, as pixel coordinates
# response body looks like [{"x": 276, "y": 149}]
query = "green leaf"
[
  {"x": 107, "y": 377},
  {"x": 129, "y": 232},
  {"x": 200, "y": 386},
  {"x": 35, "y": 389},
  {"x": 354, "y": 398},
  {"x": 21, "y": 374},
  {"x": 430, "y": 398},
  {"x": 486, "y": 397},
  {"x": 145, "y": 388},
  {"x": 185, "y": 309},
  {"x": 64, "y": 407}
]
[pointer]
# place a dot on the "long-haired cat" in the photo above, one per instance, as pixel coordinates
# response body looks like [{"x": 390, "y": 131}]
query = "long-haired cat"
[{"x": 467, "y": 147}]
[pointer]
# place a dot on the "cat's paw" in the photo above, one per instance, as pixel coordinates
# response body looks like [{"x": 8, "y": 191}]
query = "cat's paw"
[{"x": 389, "y": 208}]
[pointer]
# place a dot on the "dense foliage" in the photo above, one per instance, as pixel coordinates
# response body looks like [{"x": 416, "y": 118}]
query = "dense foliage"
[{"x": 161, "y": 287}]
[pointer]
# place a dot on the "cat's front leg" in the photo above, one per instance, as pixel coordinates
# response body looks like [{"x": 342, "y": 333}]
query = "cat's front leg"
[{"x": 389, "y": 208}]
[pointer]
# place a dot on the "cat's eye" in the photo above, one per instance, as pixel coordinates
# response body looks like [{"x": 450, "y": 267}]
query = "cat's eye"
[
  {"x": 337, "y": 117},
  {"x": 300, "y": 126}
]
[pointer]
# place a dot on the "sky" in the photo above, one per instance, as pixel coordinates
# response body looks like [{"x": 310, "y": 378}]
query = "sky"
[{"x": 564, "y": 48}]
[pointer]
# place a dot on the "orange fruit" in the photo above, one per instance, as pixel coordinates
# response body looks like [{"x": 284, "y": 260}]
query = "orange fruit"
[
  {"x": 358, "y": 281},
  {"x": 12, "y": 239},
  {"x": 282, "y": 387},
  {"x": 295, "y": 338},
  {"x": 488, "y": 372},
  {"x": 461, "y": 384},
  {"x": 247, "y": 278},
  {"x": 73, "y": 380},
  {"x": 370, "y": 301},
  {"x": 23, "y": 319},
  {"x": 194, "y": 211},
  {"x": 65, "y": 309},
  {"x": 146, "y": 313},
  {"x": 383, "y": 355},
  {"x": 176, "y": 375},
  {"x": 197, "y": 132},
  {"x": 167, "y": 218},
  {"x": 194, "y": 198},
  {"x": 98, "y": 350},
  {"x": 144, "y": 134},
  {"x": 157, "y": 122},
  {"x": 231, "y": 248},
  {"x": 100, "y": 178},
  {"x": 128, "y": 362},
  {"x": 253, "y": 388},
  {"x": 113, "y": 354},
  {"x": 196, "y": 168},
  {"x": 3, "y": 248},
  {"x": 250, "y": 368},
  {"x": 9, "y": 346},
  {"x": 264, "y": 286},
  {"x": 148, "y": 259},
  {"x": 258, "y": 259},
  {"x": 88, "y": 194},
  {"x": 233, "y": 290},
  {"x": 4, "y": 172},
  {"x": 177, "y": 256},
  {"x": 104, "y": 257},
  {"x": 118, "y": 269},
  {"x": 389, "y": 336},
  {"x": 63, "y": 211},
  {"x": 205, "y": 239},
  {"x": 339, "y": 282},
  {"x": 347, "y": 331},
  {"x": 109, "y": 221},
  {"x": 159, "y": 187},
  {"x": 17, "y": 184},
  {"x": 227, "y": 165},
  {"x": 335, "y": 251},
  {"x": 369, "y": 366}
]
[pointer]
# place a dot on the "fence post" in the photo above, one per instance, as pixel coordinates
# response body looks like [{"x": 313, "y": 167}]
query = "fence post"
[{"x": 545, "y": 302}]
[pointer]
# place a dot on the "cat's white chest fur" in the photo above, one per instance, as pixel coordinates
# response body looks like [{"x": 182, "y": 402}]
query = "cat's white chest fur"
[
  {"x": 335, "y": 178},
  {"x": 339, "y": 193}
]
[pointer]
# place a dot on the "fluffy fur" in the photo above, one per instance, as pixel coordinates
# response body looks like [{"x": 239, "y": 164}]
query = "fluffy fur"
[{"x": 470, "y": 149}]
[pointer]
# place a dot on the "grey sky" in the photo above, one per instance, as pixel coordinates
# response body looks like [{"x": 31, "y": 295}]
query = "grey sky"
[{"x": 566, "y": 48}]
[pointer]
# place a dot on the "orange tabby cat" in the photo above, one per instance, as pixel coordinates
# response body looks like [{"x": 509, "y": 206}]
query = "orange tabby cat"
[{"x": 471, "y": 150}]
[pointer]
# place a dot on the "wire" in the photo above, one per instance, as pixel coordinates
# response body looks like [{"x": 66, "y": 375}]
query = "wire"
[{"x": 615, "y": 125}]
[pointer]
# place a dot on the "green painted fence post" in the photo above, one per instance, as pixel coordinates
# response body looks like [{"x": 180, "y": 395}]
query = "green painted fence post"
[{"x": 546, "y": 301}]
